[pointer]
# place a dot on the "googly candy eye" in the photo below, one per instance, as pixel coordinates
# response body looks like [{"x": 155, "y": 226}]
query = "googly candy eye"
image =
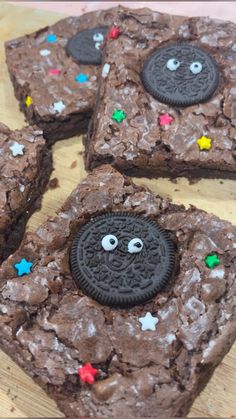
[
  {"x": 98, "y": 45},
  {"x": 98, "y": 37},
  {"x": 135, "y": 245},
  {"x": 173, "y": 64},
  {"x": 196, "y": 67},
  {"x": 109, "y": 242}
]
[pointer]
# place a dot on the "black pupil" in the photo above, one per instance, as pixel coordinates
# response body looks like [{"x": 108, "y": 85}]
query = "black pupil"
[
  {"x": 175, "y": 62},
  {"x": 112, "y": 241},
  {"x": 196, "y": 65},
  {"x": 138, "y": 245}
]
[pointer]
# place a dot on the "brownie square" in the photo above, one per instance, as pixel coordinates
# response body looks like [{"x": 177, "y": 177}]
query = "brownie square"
[
  {"x": 138, "y": 131},
  {"x": 25, "y": 167},
  {"x": 55, "y": 91},
  {"x": 52, "y": 329}
]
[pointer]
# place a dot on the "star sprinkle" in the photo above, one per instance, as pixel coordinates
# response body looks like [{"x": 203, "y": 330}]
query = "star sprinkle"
[
  {"x": 118, "y": 115},
  {"x": 165, "y": 119},
  {"x": 114, "y": 33},
  {"x": 87, "y": 373},
  {"x": 54, "y": 72},
  {"x": 28, "y": 101},
  {"x": 212, "y": 261},
  {"x": 44, "y": 52},
  {"x": 17, "y": 149},
  {"x": 204, "y": 143},
  {"x": 148, "y": 322},
  {"x": 51, "y": 38},
  {"x": 23, "y": 267},
  {"x": 59, "y": 106},
  {"x": 81, "y": 78}
]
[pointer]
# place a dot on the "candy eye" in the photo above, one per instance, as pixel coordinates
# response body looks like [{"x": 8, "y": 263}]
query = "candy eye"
[
  {"x": 135, "y": 245},
  {"x": 196, "y": 67},
  {"x": 173, "y": 64},
  {"x": 98, "y": 37},
  {"x": 109, "y": 242},
  {"x": 98, "y": 45}
]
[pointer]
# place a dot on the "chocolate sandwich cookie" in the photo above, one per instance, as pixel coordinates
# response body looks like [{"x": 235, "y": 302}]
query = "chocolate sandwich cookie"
[
  {"x": 180, "y": 75},
  {"x": 85, "y": 47},
  {"x": 121, "y": 259}
]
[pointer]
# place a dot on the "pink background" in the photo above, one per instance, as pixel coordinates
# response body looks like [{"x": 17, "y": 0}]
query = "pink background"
[{"x": 223, "y": 10}]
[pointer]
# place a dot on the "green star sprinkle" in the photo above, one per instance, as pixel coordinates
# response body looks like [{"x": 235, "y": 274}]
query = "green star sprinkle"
[
  {"x": 118, "y": 115},
  {"x": 212, "y": 261}
]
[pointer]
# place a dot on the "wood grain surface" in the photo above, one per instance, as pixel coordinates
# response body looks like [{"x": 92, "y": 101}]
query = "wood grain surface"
[{"x": 19, "y": 396}]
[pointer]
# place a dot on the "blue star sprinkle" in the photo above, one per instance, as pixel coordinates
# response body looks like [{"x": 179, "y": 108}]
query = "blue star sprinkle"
[
  {"x": 51, "y": 38},
  {"x": 23, "y": 267},
  {"x": 81, "y": 78}
]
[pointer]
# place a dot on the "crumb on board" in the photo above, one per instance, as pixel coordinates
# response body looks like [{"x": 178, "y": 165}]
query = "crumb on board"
[
  {"x": 13, "y": 409},
  {"x": 53, "y": 183},
  {"x": 73, "y": 164}
]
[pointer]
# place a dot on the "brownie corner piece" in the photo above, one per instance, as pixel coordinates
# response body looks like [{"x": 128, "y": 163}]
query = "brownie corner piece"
[
  {"x": 54, "y": 74},
  {"x": 25, "y": 166},
  {"x": 166, "y": 100},
  {"x": 92, "y": 357}
]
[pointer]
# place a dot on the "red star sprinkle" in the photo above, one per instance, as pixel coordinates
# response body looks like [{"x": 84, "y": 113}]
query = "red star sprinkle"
[
  {"x": 87, "y": 373},
  {"x": 54, "y": 72},
  {"x": 165, "y": 119},
  {"x": 114, "y": 33}
]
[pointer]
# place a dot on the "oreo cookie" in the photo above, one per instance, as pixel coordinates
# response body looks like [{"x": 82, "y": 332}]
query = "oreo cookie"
[
  {"x": 85, "y": 47},
  {"x": 121, "y": 260},
  {"x": 180, "y": 75}
]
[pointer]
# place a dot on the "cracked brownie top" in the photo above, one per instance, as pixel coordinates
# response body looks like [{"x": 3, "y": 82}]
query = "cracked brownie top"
[
  {"x": 153, "y": 357},
  {"x": 167, "y": 103}
]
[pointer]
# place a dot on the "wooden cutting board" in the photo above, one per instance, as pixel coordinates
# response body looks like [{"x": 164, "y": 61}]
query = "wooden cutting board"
[{"x": 19, "y": 396}]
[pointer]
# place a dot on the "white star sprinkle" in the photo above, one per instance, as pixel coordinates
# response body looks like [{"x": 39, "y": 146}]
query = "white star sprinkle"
[
  {"x": 148, "y": 322},
  {"x": 17, "y": 149},
  {"x": 58, "y": 106},
  {"x": 44, "y": 52}
]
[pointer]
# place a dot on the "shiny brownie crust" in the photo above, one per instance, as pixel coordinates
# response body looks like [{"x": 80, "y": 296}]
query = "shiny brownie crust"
[
  {"x": 138, "y": 145},
  {"x": 23, "y": 179},
  {"x": 50, "y": 328},
  {"x": 29, "y": 72}
]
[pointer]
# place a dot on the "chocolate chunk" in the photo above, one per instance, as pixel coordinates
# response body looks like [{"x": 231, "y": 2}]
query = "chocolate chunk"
[
  {"x": 180, "y": 74},
  {"x": 85, "y": 47},
  {"x": 121, "y": 259}
]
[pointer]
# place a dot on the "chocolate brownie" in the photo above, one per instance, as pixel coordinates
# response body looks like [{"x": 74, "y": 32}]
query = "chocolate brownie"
[
  {"x": 25, "y": 167},
  {"x": 55, "y": 90},
  {"x": 150, "y": 359},
  {"x": 167, "y": 105}
]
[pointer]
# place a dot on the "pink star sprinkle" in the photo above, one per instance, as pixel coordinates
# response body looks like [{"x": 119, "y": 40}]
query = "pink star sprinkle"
[
  {"x": 54, "y": 72},
  {"x": 165, "y": 119}
]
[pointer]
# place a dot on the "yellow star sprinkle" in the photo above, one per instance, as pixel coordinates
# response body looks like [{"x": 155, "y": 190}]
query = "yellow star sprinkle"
[
  {"x": 28, "y": 101},
  {"x": 204, "y": 143}
]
